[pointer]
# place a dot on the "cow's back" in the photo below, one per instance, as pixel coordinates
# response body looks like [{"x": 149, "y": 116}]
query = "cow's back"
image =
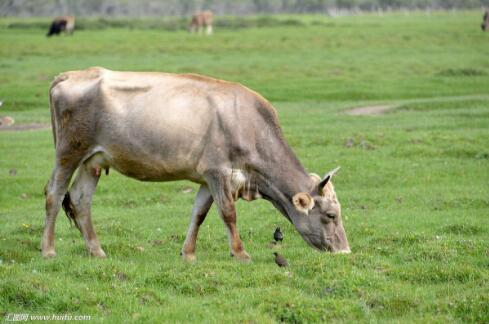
[{"x": 155, "y": 126}]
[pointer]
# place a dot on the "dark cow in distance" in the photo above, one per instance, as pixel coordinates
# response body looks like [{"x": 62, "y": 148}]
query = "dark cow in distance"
[
  {"x": 64, "y": 24},
  {"x": 166, "y": 127},
  {"x": 485, "y": 21}
]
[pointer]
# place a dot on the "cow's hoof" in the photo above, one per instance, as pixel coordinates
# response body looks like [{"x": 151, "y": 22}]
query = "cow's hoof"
[
  {"x": 98, "y": 253},
  {"x": 242, "y": 256},
  {"x": 189, "y": 257},
  {"x": 48, "y": 254}
]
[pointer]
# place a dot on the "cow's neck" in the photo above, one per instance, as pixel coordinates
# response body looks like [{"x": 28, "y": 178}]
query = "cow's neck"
[{"x": 278, "y": 180}]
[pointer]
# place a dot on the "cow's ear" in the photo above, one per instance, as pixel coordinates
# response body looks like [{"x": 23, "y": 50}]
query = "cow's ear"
[
  {"x": 303, "y": 202},
  {"x": 326, "y": 179}
]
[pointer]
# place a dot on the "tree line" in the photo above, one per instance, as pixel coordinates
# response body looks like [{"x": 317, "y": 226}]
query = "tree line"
[{"x": 144, "y": 8}]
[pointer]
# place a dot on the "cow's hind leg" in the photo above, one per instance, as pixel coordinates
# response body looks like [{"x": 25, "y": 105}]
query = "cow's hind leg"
[
  {"x": 202, "y": 204},
  {"x": 77, "y": 204},
  {"x": 220, "y": 187},
  {"x": 54, "y": 191}
]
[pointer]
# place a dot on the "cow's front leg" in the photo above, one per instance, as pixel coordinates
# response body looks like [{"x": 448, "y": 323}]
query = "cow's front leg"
[
  {"x": 228, "y": 215},
  {"x": 220, "y": 187},
  {"x": 202, "y": 204}
]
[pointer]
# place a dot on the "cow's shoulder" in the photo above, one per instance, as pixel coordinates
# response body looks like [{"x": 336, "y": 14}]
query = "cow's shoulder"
[
  {"x": 262, "y": 106},
  {"x": 246, "y": 97}
]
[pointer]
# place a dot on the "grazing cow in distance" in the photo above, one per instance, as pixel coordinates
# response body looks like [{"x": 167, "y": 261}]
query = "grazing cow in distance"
[
  {"x": 165, "y": 127},
  {"x": 201, "y": 20},
  {"x": 485, "y": 21},
  {"x": 62, "y": 24}
]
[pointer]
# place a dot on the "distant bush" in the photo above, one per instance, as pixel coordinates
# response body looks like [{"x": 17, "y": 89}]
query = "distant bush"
[
  {"x": 142, "y": 8},
  {"x": 461, "y": 72},
  {"x": 167, "y": 23},
  {"x": 29, "y": 25},
  {"x": 261, "y": 21}
]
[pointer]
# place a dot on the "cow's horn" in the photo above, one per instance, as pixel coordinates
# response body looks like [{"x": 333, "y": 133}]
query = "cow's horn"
[{"x": 326, "y": 178}]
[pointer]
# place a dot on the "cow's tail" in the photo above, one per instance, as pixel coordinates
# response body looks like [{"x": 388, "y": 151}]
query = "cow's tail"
[
  {"x": 70, "y": 210},
  {"x": 53, "y": 117}
]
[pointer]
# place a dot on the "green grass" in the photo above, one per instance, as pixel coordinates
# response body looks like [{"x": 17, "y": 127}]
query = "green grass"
[{"x": 414, "y": 184}]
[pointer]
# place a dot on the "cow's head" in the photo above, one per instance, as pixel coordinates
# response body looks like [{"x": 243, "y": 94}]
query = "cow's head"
[{"x": 319, "y": 216}]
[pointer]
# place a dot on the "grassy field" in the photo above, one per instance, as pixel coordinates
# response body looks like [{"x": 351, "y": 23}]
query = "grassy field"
[{"x": 414, "y": 183}]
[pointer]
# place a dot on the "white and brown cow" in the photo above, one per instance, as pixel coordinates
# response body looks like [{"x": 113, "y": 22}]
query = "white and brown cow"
[
  {"x": 202, "y": 20},
  {"x": 165, "y": 127},
  {"x": 64, "y": 24}
]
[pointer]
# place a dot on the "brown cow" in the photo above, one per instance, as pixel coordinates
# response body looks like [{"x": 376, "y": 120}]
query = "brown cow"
[
  {"x": 167, "y": 127},
  {"x": 201, "y": 20},
  {"x": 64, "y": 24},
  {"x": 485, "y": 21}
]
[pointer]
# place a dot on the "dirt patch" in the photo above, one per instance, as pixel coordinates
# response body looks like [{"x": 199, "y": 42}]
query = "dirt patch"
[
  {"x": 369, "y": 110},
  {"x": 25, "y": 127}
]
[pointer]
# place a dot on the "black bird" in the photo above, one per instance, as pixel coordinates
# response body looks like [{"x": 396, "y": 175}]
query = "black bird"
[
  {"x": 278, "y": 236},
  {"x": 280, "y": 260}
]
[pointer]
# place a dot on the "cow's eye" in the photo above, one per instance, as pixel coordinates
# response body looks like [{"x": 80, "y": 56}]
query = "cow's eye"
[{"x": 331, "y": 215}]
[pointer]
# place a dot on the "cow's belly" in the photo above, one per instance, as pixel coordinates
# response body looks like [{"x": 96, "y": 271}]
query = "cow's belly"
[
  {"x": 150, "y": 168},
  {"x": 155, "y": 143}
]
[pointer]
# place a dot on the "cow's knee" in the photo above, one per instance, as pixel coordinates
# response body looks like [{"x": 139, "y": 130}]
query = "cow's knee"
[
  {"x": 229, "y": 214},
  {"x": 50, "y": 200}
]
